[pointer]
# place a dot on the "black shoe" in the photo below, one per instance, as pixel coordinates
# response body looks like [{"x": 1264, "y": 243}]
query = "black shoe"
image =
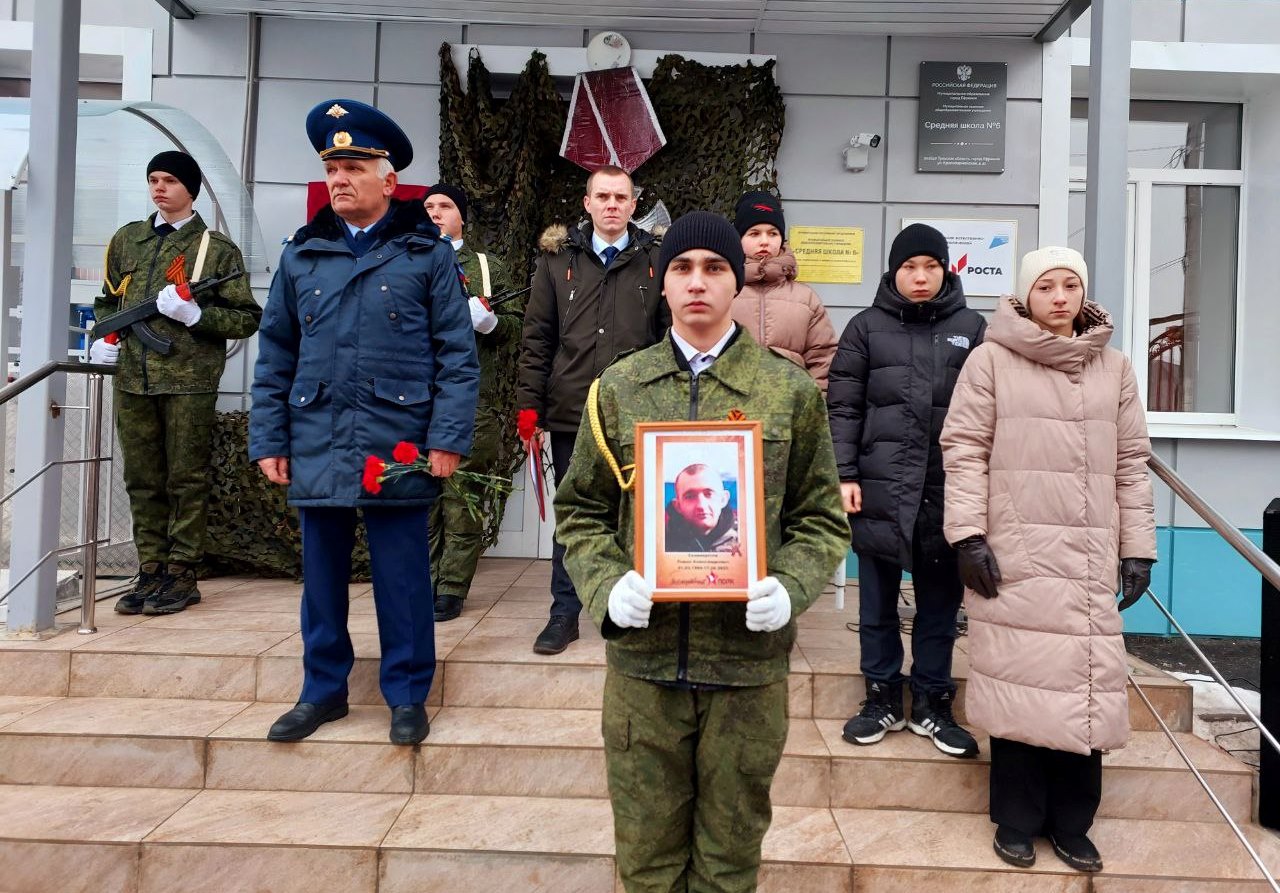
[
  {"x": 302, "y": 721},
  {"x": 150, "y": 576},
  {"x": 556, "y": 635},
  {"x": 1077, "y": 850},
  {"x": 448, "y": 607},
  {"x": 409, "y": 724},
  {"x": 931, "y": 717},
  {"x": 881, "y": 713},
  {"x": 177, "y": 591},
  {"x": 1014, "y": 847}
]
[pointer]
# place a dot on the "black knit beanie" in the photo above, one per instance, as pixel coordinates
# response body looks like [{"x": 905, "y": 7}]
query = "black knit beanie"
[
  {"x": 702, "y": 229},
  {"x": 918, "y": 239},
  {"x": 180, "y": 165},
  {"x": 758, "y": 207},
  {"x": 453, "y": 193}
]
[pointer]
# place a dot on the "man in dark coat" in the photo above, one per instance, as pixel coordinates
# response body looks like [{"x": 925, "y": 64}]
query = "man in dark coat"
[
  {"x": 890, "y": 386},
  {"x": 594, "y": 297},
  {"x": 366, "y": 341}
]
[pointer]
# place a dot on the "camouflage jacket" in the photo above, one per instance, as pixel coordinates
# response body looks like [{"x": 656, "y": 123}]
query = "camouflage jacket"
[
  {"x": 498, "y": 350},
  {"x": 138, "y": 260},
  {"x": 805, "y": 528}
]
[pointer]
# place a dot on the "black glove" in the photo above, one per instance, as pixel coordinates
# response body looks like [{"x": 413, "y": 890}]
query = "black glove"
[
  {"x": 1135, "y": 577},
  {"x": 978, "y": 568}
]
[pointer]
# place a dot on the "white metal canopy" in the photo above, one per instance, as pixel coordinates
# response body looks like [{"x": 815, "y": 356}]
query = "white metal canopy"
[{"x": 941, "y": 18}]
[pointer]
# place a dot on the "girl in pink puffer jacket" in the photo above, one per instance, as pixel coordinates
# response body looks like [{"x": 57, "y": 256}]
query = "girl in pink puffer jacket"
[{"x": 779, "y": 312}]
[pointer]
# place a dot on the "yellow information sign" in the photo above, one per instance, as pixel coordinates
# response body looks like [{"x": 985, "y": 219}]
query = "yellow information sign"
[{"x": 827, "y": 253}]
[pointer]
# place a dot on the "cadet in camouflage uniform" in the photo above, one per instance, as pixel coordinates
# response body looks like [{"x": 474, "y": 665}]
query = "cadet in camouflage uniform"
[
  {"x": 695, "y": 700},
  {"x": 165, "y": 404},
  {"x": 457, "y": 533}
]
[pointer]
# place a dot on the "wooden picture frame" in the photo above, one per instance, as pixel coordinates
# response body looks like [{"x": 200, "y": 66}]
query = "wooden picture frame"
[{"x": 699, "y": 509}]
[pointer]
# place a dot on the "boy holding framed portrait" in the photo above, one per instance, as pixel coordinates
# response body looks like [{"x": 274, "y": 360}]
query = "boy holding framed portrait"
[{"x": 700, "y": 514}]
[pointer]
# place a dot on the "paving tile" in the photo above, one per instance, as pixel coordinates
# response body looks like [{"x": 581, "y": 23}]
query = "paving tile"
[
  {"x": 870, "y": 879},
  {"x": 512, "y": 726},
  {"x": 146, "y": 639},
  {"x": 15, "y": 707},
  {"x": 124, "y": 675},
  {"x": 31, "y": 866},
  {"x": 267, "y": 818},
  {"x": 511, "y": 771},
  {"x": 34, "y": 673},
  {"x": 85, "y": 814},
  {"x": 256, "y": 621},
  {"x": 242, "y": 599},
  {"x": 807, "y": 835},
  {"x": 160, "y": 717},
  {"x": 584, "y": 652},
  {"x": 785, "y": 877},
  {"x": 504, "y": 824},
  {"x": 408, "y": 871},
  {"x": 94, "y": 760},
  {"x": 531, "y": 685},
  {"x": 381, "y": 768},
  {"x": 218, "y": 869}
]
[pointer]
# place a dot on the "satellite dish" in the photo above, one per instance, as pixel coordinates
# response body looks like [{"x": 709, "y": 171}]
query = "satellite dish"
[{"x": 608, "y": 49}]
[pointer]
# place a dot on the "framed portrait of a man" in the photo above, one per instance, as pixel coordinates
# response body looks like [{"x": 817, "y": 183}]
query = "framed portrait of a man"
[{"x": 699, "y": 509}]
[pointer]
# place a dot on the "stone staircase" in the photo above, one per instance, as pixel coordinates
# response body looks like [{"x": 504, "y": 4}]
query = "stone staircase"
[{"x": 135, "y": 760}]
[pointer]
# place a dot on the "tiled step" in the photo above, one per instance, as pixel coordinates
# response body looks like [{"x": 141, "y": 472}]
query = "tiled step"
[
  {"x": 530, "y": 752},
  {"x": 242, "y": 644},
  {"x": 127, "y": 840}
]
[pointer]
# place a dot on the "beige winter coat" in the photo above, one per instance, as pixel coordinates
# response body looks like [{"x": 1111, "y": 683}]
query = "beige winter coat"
[
  {"x": 1045, "y": 448},
  {"x": 786, "y": 315}
]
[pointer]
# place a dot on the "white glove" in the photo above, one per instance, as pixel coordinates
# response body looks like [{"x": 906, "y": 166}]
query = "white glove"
[
  {"x": 172, "y": 306},
  {"x": 104, "y": 354},
  {"x": 630, "y": 601},
  {"x": 483, "y": 320},
  {"x": 768, "y": 606}
]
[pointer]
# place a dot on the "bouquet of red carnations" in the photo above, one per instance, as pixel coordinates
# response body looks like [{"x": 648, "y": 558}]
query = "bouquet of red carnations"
[{"x": 406, "y": 458}]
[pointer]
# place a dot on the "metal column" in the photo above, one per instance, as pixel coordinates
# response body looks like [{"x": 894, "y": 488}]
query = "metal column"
[
  {"x": 1106, "y": 202},
  {"x": 55, "y": 74}
]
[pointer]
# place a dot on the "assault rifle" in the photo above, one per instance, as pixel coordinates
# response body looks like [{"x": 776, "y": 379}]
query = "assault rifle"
[
  {"x": 135, "y": 318},
  {"x": 505, "y": 296}
]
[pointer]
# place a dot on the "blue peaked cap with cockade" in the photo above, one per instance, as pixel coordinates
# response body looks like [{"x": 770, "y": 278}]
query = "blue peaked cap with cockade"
[{"x": 348, "y": 128}]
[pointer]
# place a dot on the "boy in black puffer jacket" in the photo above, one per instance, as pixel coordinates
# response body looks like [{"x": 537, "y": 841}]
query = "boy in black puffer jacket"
[{"x": 890, "y": 386}]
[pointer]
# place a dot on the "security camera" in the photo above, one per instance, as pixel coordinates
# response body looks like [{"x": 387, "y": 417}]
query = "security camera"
[{"x": 856, "y": 154}]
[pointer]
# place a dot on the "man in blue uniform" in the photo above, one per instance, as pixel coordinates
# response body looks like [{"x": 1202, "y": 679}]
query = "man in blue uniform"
[{"x": 366, "y": 341}]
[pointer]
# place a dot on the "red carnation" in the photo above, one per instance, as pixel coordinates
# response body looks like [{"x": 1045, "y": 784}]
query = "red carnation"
[
  {"x": 405, "y": 453},
  {"x": 526, "y": 423},
  {"x": 373, "y": 469}
]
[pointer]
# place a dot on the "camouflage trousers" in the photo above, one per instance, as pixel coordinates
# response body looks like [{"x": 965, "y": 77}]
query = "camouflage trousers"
[
  {"x": 689, "y": 778},
  {"x": 456, "y": 535},
  {"x": 166, "y": 442}
]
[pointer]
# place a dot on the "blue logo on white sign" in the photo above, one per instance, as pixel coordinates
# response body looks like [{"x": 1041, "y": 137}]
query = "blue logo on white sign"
[{"x": 997, "y": 241}]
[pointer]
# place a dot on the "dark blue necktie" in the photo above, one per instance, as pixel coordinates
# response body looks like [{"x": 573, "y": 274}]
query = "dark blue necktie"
[
  {"x": 609, "y": 254},
  {"x": 360, "y": 239},
  {"x": 164, "y": 229}
]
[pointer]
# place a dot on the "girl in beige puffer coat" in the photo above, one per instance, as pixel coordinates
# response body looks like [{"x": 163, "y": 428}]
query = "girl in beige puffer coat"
[
  {"x": 778, "y": 311},
  {"x": 1047, "y": 496}
]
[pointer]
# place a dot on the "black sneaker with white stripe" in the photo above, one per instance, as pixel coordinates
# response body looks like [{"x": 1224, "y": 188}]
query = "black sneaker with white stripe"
[
  {"x": 881, "y": 713},
  {"x": 931, "y": 717}
]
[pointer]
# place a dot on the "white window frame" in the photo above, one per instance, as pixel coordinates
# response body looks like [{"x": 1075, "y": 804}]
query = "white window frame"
[{"x": 1138, "y": 285}]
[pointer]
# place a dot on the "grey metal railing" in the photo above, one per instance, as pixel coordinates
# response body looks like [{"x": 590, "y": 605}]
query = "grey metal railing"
[
  {"x": 93, "y": 463},
  {"x": 1271, "y": 572}
]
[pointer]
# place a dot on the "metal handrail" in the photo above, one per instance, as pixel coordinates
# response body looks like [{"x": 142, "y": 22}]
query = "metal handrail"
[
  {"x": 1271, "y": 572},
  {"x": 93, "y": 464},
  {"x": 1237, "y": 540},
  {"x": 1235, "y": 828}
]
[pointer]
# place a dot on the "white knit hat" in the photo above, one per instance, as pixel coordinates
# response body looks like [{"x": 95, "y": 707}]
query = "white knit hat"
[{"x": 1036, "y": 263}]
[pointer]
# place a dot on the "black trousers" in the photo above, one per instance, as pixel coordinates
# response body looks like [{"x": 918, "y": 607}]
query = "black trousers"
[
  {"x": 1039, "y": 791},
  {"x": 564, "y": 597}
]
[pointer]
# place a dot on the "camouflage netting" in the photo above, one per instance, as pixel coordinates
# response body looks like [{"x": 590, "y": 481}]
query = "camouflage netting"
[
  {"x": 723, "y": 126},
  {"x": 251, "y": 527}
]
